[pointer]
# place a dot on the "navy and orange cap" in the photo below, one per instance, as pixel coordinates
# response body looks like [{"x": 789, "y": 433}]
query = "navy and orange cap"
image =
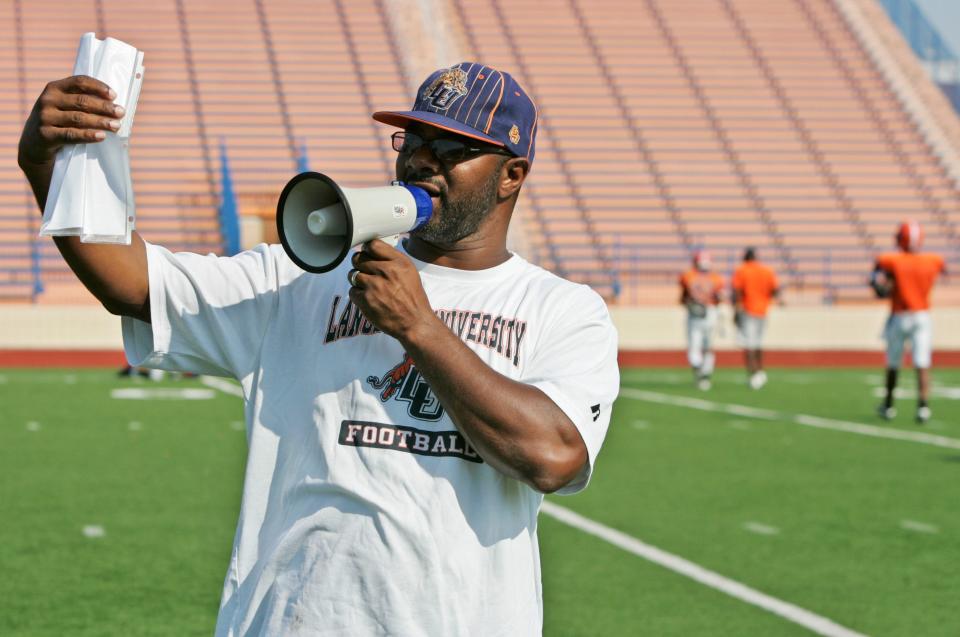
[{"x": 476, "y": 101}]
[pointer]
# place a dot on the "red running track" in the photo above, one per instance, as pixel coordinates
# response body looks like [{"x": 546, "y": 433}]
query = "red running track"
[{"x": 628, "y": 358}]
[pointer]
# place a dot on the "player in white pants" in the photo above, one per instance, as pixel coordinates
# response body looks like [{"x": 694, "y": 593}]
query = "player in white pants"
[
  {"x": 700, "y": 292},
  {"x": 700, "y": 345},
  {"x": 754, "y": 286},
  {"x": 906, "y": 277},
  {"x": 914, "y": 327}
]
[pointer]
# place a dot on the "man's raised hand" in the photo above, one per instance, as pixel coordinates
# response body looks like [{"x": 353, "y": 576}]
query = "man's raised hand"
[
  {"x": 74, "y": 110},
  {"x": 79, "y": 110}
]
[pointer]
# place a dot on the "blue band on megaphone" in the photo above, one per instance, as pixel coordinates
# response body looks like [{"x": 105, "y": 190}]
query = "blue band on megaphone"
[{"x": 424, "y": 204}]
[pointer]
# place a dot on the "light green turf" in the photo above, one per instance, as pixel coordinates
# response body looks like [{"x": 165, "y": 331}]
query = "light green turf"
[
  {"x": 167, "y": 497},
  {"x": 684, "y": 480},
  {"x": 688, "y": 481}
]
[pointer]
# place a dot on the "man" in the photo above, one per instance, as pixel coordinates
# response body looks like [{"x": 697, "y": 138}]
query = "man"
[
  {"x": 406, "y": 412},
  {"x": 700, "y": 292},
  {"x": 754, "y": 286},
  {"x": 906, "y": 277}
]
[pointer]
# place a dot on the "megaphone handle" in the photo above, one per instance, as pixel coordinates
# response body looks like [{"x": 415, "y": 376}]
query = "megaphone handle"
[{"x": 392, "y": 240}]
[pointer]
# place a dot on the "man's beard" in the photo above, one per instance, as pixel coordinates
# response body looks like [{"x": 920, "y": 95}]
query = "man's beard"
[{"x": 462, "y": 217}]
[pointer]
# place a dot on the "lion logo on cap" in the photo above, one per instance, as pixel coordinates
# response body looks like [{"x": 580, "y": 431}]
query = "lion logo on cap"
[{"x": 450, "y": 86}]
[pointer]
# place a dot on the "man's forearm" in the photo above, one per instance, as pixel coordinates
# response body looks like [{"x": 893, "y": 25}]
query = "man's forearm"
[
  {"x": 115, "y": 274},
  {"x": 39, "y": 176},
  {"x": 515, "y": 427},
  {"x": 99, "y": 267}
]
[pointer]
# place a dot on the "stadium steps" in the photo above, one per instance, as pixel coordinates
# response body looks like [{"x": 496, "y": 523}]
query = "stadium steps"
[
  {"x": 666, "y": 126},
  {"x": 742, "y": 121},
  {"x": 534, "y": 62},
  {"x": 531, "y": 209},
  {"x": 176, "y": 200}
]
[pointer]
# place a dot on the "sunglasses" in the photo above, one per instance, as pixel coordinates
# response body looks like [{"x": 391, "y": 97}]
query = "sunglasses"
[{"x": 448, "y": 150}]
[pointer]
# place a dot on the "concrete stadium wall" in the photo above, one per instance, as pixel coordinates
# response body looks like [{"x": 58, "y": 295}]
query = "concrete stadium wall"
[
  {"x": 818, "y": 336},
  {"x": 788, "y": 328}
]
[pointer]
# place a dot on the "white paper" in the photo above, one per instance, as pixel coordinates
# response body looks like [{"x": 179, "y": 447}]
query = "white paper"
[{"x": 91, "y": 194}]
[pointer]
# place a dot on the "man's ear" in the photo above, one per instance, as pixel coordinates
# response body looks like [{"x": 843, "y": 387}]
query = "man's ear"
[{"x": 512, "y": 175}]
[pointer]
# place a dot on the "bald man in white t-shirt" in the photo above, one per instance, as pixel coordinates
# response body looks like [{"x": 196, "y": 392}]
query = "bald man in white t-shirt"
[{"x": 405, "y": 413}]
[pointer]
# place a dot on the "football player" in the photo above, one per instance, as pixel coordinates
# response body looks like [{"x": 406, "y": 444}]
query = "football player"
[
  {"x": 701, "y": 291},
  {"x": 754, "y": 287},
  {"x": 906, "y": 278}
]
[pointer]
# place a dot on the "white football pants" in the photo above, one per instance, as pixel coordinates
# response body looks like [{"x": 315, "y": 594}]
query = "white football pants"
[{"x": 700, "y": 340}]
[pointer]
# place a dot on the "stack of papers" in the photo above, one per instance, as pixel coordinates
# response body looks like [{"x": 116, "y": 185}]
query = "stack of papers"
[{"x": 91, "y": 194}]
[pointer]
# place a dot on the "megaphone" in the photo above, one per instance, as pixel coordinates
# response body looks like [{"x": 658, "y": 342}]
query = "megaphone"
[{"x": 319, "y": 221}]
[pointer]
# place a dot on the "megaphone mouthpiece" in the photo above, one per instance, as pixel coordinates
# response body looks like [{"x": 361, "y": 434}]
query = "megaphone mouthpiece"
[{"x": 327, "y": 221}]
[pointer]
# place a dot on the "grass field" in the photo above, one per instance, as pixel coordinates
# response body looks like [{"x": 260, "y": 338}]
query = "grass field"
[{"x": 117, "y": 515}]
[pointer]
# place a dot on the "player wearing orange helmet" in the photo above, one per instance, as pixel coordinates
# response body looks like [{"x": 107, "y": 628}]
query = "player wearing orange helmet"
[
  {"x": 906, "y": 277},
  {"x": 700, "y": 292}
]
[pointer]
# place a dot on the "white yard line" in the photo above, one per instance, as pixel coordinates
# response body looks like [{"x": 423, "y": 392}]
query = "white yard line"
[
  {"x": 223, "y": 385},
  {"x": 811, "y": 621},
  {"x": 799, "y": 419},
  {"x": 93, "y": 531},
  {"x": 919, "y": 527},
  {"x": 161, "y": 393},
  {"x": 760, "y": 528}
]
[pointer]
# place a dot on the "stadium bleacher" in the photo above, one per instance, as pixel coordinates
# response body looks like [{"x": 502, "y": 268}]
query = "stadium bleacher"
[{"x": 675, "y": 125}]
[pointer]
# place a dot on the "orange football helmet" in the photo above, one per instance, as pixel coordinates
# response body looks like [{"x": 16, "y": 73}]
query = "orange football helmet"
[
  {"x": 701, "y": 260},
  {"x": 909, "y": 236}
]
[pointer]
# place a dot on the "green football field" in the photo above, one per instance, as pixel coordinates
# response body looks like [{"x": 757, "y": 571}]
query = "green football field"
[{"x": 118, "y": 499}]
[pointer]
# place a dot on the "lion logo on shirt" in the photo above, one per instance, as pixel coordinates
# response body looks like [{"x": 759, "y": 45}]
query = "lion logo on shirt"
[
  {"x": 404, "y": 383},
  {"x": 392, "y": 380}
]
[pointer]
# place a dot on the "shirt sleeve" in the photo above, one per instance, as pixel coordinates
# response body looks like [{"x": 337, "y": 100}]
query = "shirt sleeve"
[
  {"x": 208, "y": 314},
  {"x": 575, "y": 365},
  {"x": 737, "y": 281}
]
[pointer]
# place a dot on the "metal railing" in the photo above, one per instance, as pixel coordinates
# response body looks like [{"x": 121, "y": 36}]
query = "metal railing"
[{"x": 229, "y": 216}]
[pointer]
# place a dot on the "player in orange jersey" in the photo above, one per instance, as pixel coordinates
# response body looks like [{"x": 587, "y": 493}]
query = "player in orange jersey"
[
  {"x": 907, "y": 276},
  {"x": 754, "y": 286},
  {"x": 700, "y": 292}
]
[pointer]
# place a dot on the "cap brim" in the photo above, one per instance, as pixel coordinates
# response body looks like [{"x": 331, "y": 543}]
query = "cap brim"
[{"x": 402, "y": 119}]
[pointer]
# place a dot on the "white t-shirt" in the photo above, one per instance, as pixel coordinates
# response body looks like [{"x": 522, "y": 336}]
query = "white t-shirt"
[{"x": 364, "y": 511}]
